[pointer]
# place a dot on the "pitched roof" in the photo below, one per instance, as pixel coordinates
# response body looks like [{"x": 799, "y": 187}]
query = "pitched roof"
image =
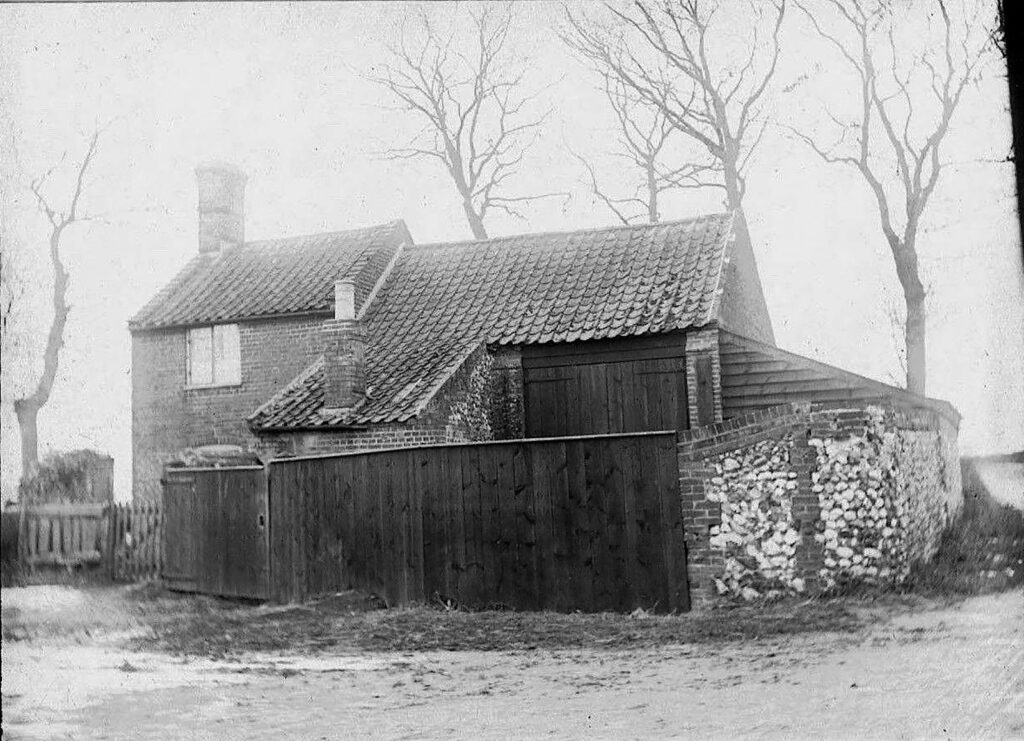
[
  {"x": 442, "y": 301},
  {"x": 269, "y": 277}
]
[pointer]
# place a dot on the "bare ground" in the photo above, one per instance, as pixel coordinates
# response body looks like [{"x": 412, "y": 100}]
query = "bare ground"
[{"x": 119, "y": 663}]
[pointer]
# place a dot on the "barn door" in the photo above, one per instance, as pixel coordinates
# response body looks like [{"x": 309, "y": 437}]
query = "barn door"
[{"x": 608, "y": 397}]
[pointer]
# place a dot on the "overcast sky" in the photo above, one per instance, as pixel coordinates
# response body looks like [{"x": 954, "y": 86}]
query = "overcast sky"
[{"x": 278, "y": 90}]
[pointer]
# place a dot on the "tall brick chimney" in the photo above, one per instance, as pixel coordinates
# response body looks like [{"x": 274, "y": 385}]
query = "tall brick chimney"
[
  {"x": 344, "y": 351},
  {"x": 221, "y": 206}
]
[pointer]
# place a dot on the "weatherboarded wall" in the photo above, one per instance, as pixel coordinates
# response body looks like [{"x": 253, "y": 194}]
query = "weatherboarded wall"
[{"x": 801, "y": 499}]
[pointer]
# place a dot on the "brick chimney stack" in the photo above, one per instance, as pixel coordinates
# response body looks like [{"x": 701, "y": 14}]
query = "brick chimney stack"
[
  {"x": 344, "y": 351},
  {"x": 221, "y": 206}
]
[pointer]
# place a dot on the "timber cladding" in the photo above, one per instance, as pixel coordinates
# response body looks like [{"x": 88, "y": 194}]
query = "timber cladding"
[
  {"x": 757, "y": 376},
  {"x": 586, "y": 523}
]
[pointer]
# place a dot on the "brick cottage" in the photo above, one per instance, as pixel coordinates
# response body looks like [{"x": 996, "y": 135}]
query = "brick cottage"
[{"x": 363, "y": 340}]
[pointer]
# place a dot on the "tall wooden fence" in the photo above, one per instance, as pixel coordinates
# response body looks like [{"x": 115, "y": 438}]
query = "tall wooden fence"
[
  {"x": 123, "y": 539},
  {"x": 590, "y": 523}
]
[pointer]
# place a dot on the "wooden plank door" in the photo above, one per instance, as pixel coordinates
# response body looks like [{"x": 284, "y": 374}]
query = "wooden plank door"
[
  {"x": 606, "y": 397},
  {"x": 180, "y": 560},
  {"x": 240, "y": 536}
]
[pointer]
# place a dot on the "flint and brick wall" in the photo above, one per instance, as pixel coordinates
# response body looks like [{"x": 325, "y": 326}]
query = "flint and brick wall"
[
  {"x": 508, "y": 416},
  {"x": 803, "y": 499}
]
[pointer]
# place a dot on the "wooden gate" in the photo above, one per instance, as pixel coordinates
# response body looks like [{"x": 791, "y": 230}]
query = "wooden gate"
[{"x": 215, "y": 531}]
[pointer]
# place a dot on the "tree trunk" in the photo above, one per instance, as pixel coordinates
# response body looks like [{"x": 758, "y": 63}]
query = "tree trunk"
[
  {"x": 915, "y": 340},
  {"x": 652, "y": 194},
  {"x": 731, "y": 179},
  {"x": 475, "y": 222},
  {"x": 27, "y": 413}
]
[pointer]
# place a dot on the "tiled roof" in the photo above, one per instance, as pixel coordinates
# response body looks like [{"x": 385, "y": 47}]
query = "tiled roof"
[
  {"x": 442, "y": 301},
  {"x": 270, "y": 277}
]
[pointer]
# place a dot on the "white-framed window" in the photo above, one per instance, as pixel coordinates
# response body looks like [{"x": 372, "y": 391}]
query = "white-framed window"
[{"x": 214, "y": 356}]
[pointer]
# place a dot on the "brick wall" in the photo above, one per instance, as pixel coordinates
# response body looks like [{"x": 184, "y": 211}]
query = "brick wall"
[
  {"x": 378, "y": 437},
  {"x": 344, "y": 348},
  {"x": 799, "y": 498},
  {"x": 702, "y": 343},
  {"x": 167, "y": 417}
]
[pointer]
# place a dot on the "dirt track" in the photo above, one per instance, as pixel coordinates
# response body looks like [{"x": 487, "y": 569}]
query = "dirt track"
[{"x": 954, "y": 672}]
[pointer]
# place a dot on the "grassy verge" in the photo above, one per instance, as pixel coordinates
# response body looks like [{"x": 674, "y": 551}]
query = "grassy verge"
[
  {"x": 981, "y": 551},
  {"x": 348, "y": 622}
]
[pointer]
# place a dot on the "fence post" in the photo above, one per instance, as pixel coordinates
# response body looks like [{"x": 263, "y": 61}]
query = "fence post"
[
  {"x": 110, "y": 515},
  {"x": 158, "y": 536}
]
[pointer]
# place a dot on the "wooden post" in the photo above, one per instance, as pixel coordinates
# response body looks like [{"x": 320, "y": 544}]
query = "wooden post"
[
  {"x": 110, "y": 512},
  {"x": 159, "y": 541}
]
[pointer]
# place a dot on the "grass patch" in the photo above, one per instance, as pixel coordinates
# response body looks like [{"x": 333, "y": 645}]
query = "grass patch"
[
  {"x": 981, "y": 551},
  {"x": 350, "y": 622}
]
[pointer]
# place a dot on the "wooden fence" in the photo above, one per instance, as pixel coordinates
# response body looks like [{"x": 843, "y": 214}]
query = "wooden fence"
[
  {"x": 590, "y": 523},
  {"x": 123, "y": 539},
  {"x": 62, "y": 534}
]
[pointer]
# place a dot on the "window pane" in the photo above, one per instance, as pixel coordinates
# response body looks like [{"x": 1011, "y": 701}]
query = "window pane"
[
  {"x": 200, "y": 370},
  {"x": 227, "y": 366}
]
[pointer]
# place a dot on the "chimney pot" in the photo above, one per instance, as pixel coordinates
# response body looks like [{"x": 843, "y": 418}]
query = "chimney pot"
[
  {"x": 221, "y": 206},
  {"x": 344, "y": 299}
]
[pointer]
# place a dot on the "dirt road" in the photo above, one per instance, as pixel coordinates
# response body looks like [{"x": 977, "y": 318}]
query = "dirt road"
[{"x": 952, "y": 672}]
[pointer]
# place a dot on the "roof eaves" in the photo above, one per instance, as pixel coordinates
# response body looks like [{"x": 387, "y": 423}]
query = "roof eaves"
[
  {"x": 134, "y": 327},
  {"x": 306, "y": 427}
]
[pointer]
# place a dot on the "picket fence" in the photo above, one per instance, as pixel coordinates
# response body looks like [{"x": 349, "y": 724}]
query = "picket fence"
[{"x": 123, "y": 540}]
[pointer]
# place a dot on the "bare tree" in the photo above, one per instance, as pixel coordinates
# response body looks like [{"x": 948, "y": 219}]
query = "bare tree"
[
  {"x": 643, "y": 135},
  {"x": 476, "y": 118},
  {"x": 905, "y": 107},
  {"x": 11, "y": 290},
  {"x": 682, "y": 59},
  {"x": 27, "y": 407}
]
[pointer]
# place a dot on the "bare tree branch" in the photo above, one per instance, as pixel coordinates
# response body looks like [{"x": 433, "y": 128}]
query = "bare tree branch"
[
  {"x": 643, "y": 135},
  {"x": 660, "y": 52},
  {"x": 476, "y": 114}
]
